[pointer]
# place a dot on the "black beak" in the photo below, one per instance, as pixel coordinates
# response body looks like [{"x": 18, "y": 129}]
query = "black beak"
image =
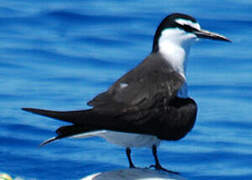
[{"x": 210, "y": 35}]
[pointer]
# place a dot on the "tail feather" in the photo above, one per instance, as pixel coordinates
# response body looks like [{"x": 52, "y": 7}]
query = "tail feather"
[
  {"x": 78, "y": 118},
  {"x": 48, "y": 141},
  {"x": 68, "y": 131}
]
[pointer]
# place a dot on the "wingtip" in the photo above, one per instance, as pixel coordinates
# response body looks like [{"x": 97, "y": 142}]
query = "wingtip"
[
  {"x": 25, "y": 109},
  {"x": 28, "y": 109}
]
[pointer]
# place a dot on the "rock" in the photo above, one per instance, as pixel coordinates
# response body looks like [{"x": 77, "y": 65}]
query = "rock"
[{"x": 134, "y": 174}]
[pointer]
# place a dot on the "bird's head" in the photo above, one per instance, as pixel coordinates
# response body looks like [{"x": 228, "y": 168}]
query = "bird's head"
[{"x": 182, "y": 30}]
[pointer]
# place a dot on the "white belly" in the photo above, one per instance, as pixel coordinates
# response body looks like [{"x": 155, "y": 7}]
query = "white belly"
[
  {"x": 123, "y": 139},
  {"x": 130, "y": 139}
]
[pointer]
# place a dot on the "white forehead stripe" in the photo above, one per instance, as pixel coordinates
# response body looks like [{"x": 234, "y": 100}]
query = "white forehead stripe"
[{"x": 188, "y": 22}]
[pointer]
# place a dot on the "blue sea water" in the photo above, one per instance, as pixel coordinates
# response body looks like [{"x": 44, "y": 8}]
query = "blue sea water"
[{"x": 59, "y": 54}]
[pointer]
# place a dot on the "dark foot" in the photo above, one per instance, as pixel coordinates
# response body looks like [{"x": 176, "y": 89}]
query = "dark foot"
[
  {"x": 157, "y": 165},
  {"x": 160, "y": 168}
]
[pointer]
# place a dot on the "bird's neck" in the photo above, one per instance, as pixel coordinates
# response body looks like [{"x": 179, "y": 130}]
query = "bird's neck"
[
  {"x": 176, "y": 55},
  {"x": 174, "y": 45}
]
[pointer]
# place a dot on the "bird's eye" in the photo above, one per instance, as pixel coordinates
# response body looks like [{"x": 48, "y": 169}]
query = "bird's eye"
[{"x": 189, "y": 28}]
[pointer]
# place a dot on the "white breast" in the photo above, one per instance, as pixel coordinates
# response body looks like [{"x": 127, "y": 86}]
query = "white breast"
[{"x": 174, "y": 45}]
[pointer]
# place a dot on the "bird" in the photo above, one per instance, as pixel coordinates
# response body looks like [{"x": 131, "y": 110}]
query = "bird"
[{"x": 149, "y": 103}]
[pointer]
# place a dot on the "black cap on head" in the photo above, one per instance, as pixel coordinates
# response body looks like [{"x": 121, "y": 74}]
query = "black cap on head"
[{"x": 169, "y": 22}]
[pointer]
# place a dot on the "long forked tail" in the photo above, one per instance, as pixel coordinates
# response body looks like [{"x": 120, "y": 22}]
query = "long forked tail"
[
  {"x": 78, "y": 118},
  {"x": 68, "y": 131},
  {"x": 68, "y": 116}
]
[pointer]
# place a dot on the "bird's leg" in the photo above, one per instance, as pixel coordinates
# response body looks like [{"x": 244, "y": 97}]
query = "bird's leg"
[
  {"x": 128, "y": 152},
  {"x": 157, "y": 165}
]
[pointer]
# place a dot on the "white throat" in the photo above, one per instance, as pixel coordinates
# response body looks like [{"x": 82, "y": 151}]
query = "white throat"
[{"x": 174, "y": 45}]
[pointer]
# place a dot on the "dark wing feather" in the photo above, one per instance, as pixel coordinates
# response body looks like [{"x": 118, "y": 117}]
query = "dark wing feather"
[
  {"x": 147, "y": 105},
  {"x": 167, "y": 120},
  {"x": 153, "y": 77}
]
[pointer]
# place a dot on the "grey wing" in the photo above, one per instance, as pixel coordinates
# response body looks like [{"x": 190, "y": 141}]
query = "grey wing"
[{"x": 140, "y": 87}]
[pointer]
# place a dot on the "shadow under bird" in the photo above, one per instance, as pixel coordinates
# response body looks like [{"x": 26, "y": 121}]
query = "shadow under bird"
[{"x": 147, "y": 104}]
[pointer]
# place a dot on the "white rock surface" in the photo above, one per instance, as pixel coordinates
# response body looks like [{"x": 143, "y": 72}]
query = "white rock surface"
[{"x": 134, "y": 174}]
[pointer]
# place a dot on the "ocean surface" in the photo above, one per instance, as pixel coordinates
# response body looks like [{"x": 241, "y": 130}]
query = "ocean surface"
[{"x": 59, "y": 54}]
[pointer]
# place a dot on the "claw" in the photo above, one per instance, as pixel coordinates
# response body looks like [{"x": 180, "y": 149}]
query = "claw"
[{"x": 158, "y": 167}]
